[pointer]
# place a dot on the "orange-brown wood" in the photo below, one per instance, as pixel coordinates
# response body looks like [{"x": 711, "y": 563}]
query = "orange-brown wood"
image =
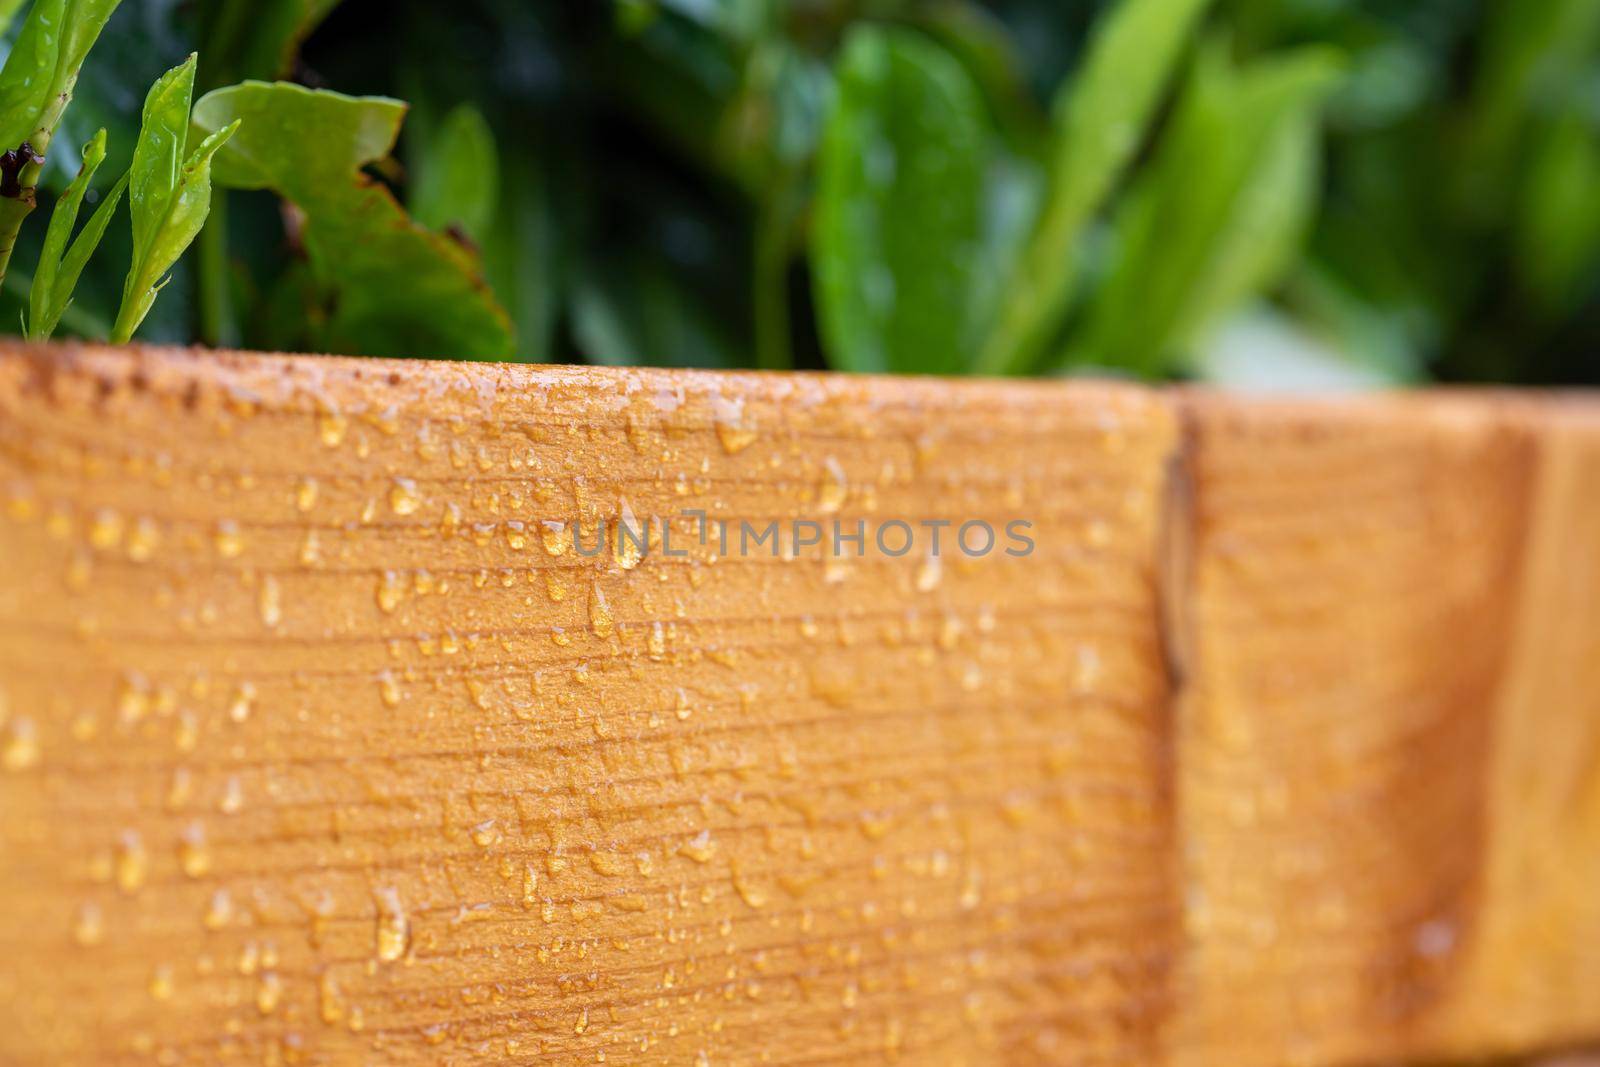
[
  {"x": 1349, "y": 602},
  {"x": 323, "y": 743}
]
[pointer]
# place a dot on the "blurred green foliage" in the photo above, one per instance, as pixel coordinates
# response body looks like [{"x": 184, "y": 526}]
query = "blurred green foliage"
[{"x": 1312, "y": 192}]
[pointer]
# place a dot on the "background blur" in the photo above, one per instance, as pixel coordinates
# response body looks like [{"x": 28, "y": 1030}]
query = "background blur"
[{"x": 1318, "y": 193}]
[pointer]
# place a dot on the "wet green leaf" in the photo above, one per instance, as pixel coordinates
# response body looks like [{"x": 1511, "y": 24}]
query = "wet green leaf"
[
  {"x": 899, "y": 214},
  {"x": 169, "y": 194},
  {"x": 1218, "y": 214},
  {"x": 396, "y": 287},
  {"x": 186, "y": 214},
  {"x": 1100, "y": 118},
  {"x": 158, "y": 159},
  {"x": 456, "y": 175},
  {"x": 39, "y": 75},
  {"x": 140, "y": 43},
  {"x": 60, "y": 266}
]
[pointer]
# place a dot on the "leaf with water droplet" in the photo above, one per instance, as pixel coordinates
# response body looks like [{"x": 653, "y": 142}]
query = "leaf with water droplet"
[
  {"x": 899, "y": 206},
  {"x": 169, "y": 196},
  {"x": 42, "y": 66}
]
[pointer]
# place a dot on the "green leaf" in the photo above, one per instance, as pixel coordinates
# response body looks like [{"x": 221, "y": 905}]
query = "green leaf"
[
  {"x": 42, "y": 294},
  {"x": 256, "y": 38},
  {"x": 158, "y": 160},
  {"x": 1099, "y": 122},
  {"x": 1012, "y": 197},
  {"x": 272, "y": 54},
  {"x": 8, "y": 11},
  {"x": 166, "y": 235},
  {"x": 456, "y": 175},
  {"x": 299, "y": 139},
  {"x": 397, "y": 288},
  {"x": 83, "y": 247},
  {"x": 60, "y": 266},
  {"x": 1269, "y": 221},
  {"x": 981, "y": 41},
  {"x": 899, "y": 206},
  {"x": 1220, "y": 212},
  {"x": 1557, "y": 232},
  {"x": 1534, "y": 55},
  {"x": 40, "y": 72}
]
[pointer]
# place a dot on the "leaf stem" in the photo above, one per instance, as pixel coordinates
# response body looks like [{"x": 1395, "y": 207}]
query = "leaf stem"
[{"x": 12, "y": 212}]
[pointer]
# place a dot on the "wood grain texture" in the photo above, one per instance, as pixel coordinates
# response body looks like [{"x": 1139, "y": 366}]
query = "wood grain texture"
[
  {"x": 1531, "y": 970},
  {"x": 323, "y": 744},
  {"x": 1353, "y": 574},
  {"x": 332, "y": 767}
]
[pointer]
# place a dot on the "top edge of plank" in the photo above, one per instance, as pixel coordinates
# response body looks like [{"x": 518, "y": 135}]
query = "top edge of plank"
[
  {"x": 283, "y": 376},
  {"x": 270, "y": 377}
]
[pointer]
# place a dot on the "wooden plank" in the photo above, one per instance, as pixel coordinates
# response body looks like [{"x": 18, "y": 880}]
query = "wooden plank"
[
  {"x": 1353, "y": 577},
  {"x": 420, "y": 791},
  {"x": 1530, "y": 967},
  {"x": 1389, "y": 729},
  {"x": 1279, "y": 748}
]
